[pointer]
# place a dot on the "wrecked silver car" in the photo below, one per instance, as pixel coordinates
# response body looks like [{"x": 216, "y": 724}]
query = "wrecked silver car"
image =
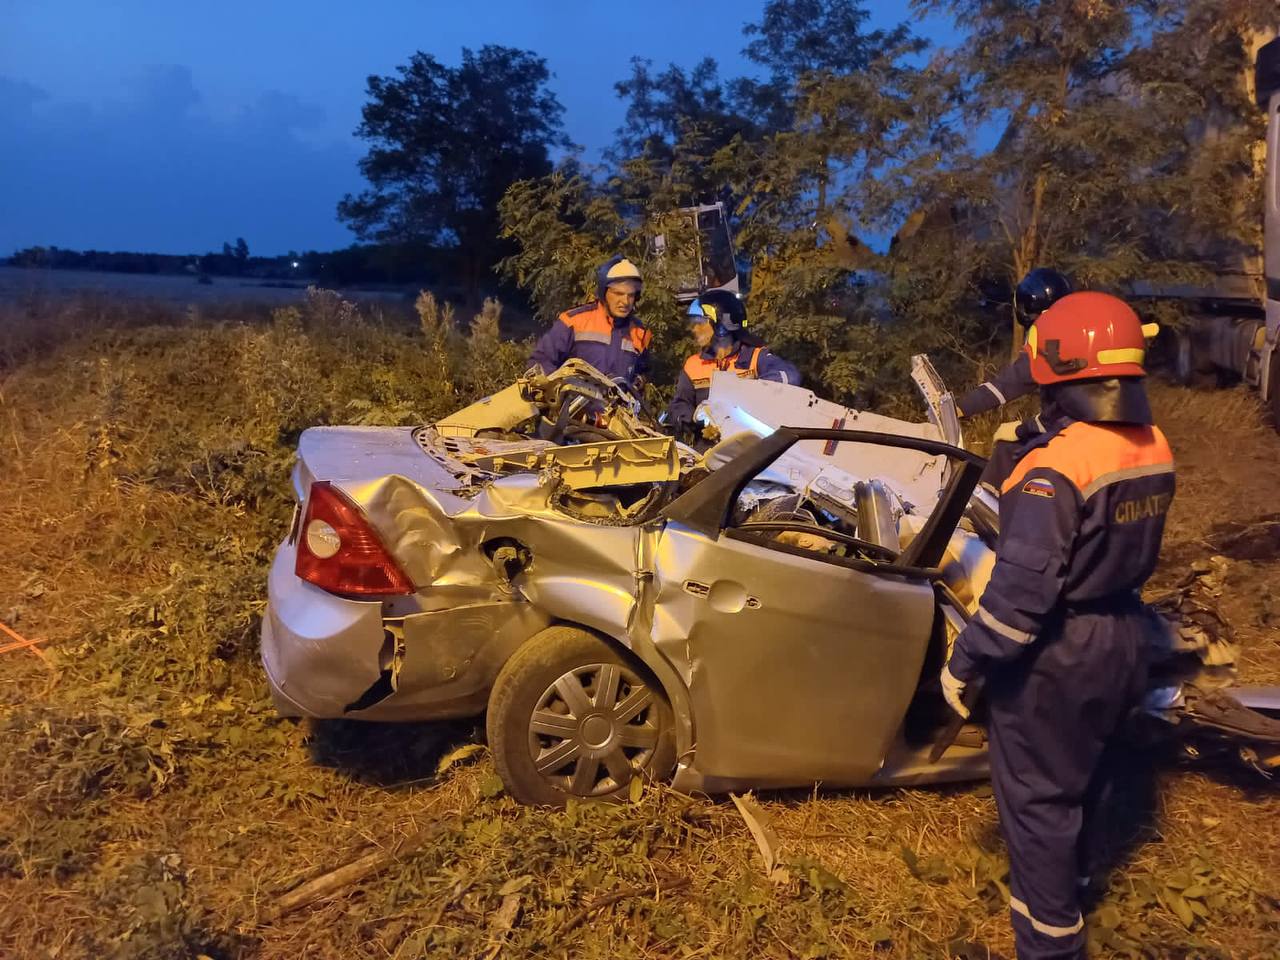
[{"x": 773, "y": 612}]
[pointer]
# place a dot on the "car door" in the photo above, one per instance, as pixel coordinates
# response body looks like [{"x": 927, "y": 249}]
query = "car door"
[
  {"x": 800, "y": 665},
  {"x": 798, "y": 669}
]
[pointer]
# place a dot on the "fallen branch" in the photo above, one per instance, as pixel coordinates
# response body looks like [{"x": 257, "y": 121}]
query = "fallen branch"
[
  {"x": 353, "y": 872},
  {"x": 601, "y": 902}
]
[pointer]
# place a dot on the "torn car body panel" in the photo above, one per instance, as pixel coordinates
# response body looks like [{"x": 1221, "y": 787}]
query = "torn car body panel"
[{"x": 738, "y": 405}]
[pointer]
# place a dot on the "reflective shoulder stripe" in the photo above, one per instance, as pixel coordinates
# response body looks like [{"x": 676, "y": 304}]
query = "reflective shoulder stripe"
[
  {"x": 590, "y": 336},
  {"x": 1129, "y": 473},
  {"x": 996, "y": 391},
  {"x": 628, "y": 346},
  {"x": 1002, "y": 628},
  {"x": 753, "y": 368},
  {"x": 1039, "y": 926},
  {"x": 701, "y": 384},
  {"x": 590, "y": 317}
]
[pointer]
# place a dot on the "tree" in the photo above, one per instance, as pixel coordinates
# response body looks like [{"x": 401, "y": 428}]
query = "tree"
[
  {"x": 795, "y": 157},
  {"x": 1099, "y": 170},
  {"x": 675, "y": 123},
  {"x": 1124, "y": 139},
  {"x": 839, "y": 106},
  {"x": 446, "y": 142}
]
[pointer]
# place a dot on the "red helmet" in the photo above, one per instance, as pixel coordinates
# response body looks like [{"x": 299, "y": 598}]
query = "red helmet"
[{"x": 1086, "y": 336}]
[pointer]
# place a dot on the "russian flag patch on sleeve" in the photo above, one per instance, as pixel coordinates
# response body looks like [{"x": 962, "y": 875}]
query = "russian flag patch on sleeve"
[{"x": 1038, "y": 488}]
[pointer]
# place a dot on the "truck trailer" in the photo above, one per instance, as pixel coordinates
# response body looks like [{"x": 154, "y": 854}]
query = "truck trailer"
[{"x": 1235, "y": 322}]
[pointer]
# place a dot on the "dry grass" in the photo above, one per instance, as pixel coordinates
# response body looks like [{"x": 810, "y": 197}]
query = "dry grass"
[{"x": 152, "y": 805}]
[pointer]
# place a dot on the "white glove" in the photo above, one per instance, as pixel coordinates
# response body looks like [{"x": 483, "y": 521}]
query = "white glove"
[
  {"x": 953, "y": 692},
  {"x": 1007, "y": 431}
]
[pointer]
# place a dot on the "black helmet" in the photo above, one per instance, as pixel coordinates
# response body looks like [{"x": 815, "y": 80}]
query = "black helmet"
[
  {"x": 720, "y": 308},
  {"x": 1037, "y": 292}
]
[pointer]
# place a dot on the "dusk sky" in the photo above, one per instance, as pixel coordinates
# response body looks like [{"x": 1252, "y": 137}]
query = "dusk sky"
[{"x": 174, "y": 127}]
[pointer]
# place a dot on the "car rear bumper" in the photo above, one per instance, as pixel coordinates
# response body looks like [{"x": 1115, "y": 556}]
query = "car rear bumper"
[
  {"x": 330, "y": 657},
  {"x": 320, "y": 652}
]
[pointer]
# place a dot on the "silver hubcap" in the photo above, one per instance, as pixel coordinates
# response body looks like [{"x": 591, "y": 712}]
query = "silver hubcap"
[{"x": 594, "y": 729}]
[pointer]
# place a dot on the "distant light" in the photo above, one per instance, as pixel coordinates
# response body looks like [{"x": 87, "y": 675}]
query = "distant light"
[{"x": 295, "y": 264}]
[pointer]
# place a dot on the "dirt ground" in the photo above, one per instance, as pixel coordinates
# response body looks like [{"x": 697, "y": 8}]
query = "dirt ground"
[{"x": 152, "y": 805}]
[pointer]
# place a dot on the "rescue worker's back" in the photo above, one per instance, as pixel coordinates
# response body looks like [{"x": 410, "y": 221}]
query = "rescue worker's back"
[
  {"x": 1081, "y": 517},
  {"x": 1060, "y": 634}
]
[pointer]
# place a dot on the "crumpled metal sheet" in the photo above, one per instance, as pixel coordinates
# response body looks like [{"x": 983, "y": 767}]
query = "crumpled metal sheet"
[
  {"x": 451, "y": 658},
  {"x": 591, "y": 465},
  {"x": 1191, "y": 640},
  {"x": 759, "y": 407}
]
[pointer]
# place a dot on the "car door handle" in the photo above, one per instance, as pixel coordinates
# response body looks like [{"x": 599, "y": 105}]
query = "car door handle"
[{"x": 725, "y": 596}]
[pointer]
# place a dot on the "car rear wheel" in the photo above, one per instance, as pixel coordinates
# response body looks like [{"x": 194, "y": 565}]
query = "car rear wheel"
[{"x": 571, "y": 716}]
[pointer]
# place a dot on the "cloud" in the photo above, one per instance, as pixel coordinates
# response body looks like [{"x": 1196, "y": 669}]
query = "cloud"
[
  {"x": 163, "y": 91},
  {"x": 156, "y": 170},
  {"x": 17, "y": 97},
  {"x": 275, "y": 110}
]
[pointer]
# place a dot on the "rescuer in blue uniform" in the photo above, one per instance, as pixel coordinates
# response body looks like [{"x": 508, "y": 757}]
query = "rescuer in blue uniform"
[
  {"x": 1060, "y": 631},
  {"x": 606, "y": 332},
  {"x": 719, "y": 321},
  {"x": 1036, "y": 292}
]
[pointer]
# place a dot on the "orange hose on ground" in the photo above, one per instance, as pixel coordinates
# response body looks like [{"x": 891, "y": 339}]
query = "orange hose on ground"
[{"x": 21, "y": 643}]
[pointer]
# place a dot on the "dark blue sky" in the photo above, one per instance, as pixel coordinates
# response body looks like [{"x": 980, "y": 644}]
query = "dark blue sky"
[{"x": 138, "y": 125}]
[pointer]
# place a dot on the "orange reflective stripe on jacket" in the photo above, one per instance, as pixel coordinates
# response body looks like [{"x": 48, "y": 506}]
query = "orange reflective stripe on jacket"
[
  {"x": 591, "y": 323},
  {"x": 699, "y": 369}
]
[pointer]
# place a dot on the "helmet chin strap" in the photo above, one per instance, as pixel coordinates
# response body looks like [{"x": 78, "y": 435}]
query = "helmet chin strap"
[{"x": 1113, "y": 400}]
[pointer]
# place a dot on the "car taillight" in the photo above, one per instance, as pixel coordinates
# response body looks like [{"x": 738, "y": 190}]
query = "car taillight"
[{"x": 338, "y": 551}]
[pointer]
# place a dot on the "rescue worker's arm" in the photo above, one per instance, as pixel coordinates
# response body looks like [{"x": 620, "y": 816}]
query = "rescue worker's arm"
[
  {"x": 1028, "y": 428},
  {"x": 553, "y": 347},
  {"x": 1040, "y": 516},
  {"x": 1008, "y": 384},
  {"x": 1018, "y": 431},
  {"x": 773, "y": 367},
  {"x": 680, "y": 410},
  {"x": 641, "y": 373}
]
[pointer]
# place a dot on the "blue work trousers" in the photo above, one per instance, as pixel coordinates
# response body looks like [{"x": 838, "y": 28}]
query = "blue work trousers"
[{"x": 1054, "y": 712}]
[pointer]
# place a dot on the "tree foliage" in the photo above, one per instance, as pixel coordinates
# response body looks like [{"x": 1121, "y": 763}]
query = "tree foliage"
[
  {"x": 446, "y": 142},
  {"x": 793, "y": 155},
  {"x": 1107, "y": 165},
  {"x": 1110, "y": 138}
]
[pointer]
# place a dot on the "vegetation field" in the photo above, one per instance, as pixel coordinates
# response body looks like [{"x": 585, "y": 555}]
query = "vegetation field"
[
  {"x": 25, "y": 283},
  {"x": 153, "y": 806}
]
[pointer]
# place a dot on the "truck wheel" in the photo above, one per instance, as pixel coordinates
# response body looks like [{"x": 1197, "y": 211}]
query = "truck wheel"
[
  {"x": 1184, "y": 368},
  {"x": 571, "y": 716},
  {"x": 1190, "y": 369}
]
